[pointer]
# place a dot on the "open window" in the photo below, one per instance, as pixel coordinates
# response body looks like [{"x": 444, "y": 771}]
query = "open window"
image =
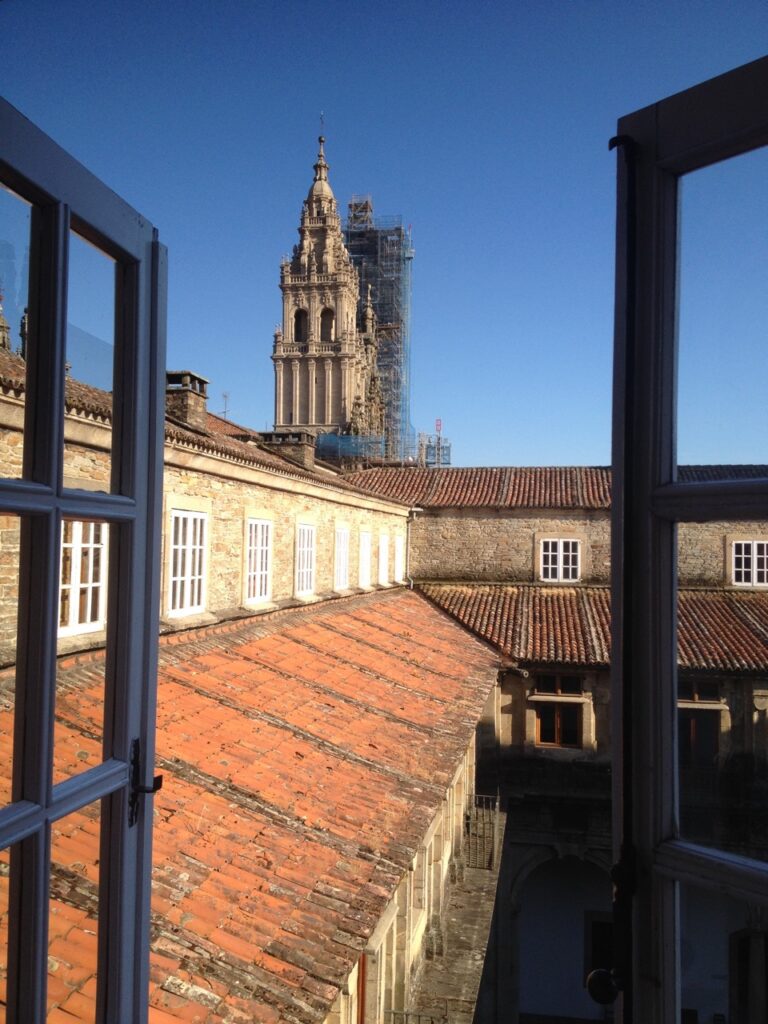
[
  {"x": 691, "y": 259},
  {"x": 82, "y": 341}
]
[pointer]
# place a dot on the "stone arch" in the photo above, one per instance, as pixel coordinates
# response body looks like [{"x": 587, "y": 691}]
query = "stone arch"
[
  {"x": 560, "y": 897},
  {"x": 300, "y": 326},
  {"x": 327, "y": 318}
]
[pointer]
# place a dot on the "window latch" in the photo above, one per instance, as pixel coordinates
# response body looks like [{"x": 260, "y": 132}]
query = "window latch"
[
  {"x": 604, "y": 984},
  {"x": 137, "y": 790}
]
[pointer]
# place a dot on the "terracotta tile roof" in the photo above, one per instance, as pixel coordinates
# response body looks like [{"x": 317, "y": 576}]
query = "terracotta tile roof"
[
  {"x": 719, "y": 630},
  {"x": 492, "y": 487},
  {"x": 79, "y": 397},
  {"x": 218, "y": 425},
  {"x": 305, "y": 754},
  {"x": 577, "y": 487}
]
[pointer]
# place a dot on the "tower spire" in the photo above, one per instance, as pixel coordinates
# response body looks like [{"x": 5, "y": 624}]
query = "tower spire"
[{"x": 321, "y": 167}]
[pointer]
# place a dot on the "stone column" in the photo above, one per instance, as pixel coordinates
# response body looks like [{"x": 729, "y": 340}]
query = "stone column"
[
  {"x": 311, "y": 390},
  {"x": 346, "y": 398},
  {"x": 279, "y": 381},
  {"x": 328, "y": 364},
  {"x": 295, "y": 371}
]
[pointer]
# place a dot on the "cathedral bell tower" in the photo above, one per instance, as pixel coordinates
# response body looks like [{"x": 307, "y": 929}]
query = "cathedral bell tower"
[{"x": 322, "y": 363}]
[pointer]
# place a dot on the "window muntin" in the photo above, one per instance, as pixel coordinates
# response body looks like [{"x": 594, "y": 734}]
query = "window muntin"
[
  {"x": 83, "y": 575},
  {"x": 186, "y": 592},
  {"x": 364, "y": 566},
  {"x": 305, "y": 559},
  {"x": 68, "y": 200},
  {"x": 383, "y": 559},
  {"x": 750, "y": 563},
  {"x": 258, "y": 581},
  {"x": 399, "y": 559},
  {"x": 560, "y": 559},
  {"x": 341, "y": 559}
]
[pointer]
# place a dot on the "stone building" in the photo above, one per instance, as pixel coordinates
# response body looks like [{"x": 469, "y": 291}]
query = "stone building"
[
  {"x": 316, "y": 726},
  {"x": 326, "y": 377},
  {"x": 521, "y": 558}
]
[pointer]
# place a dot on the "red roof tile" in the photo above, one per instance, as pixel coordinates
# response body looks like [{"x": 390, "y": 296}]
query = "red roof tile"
[
  {"x": 577, "y": 487},
  {"x": 305, "y": 754},
  {"x": 491, "y": 487},
  {"x": 719, "y": 630}
]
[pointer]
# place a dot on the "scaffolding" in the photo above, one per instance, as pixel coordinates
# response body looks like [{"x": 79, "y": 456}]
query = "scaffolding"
[{"x": 382, "y": 251}]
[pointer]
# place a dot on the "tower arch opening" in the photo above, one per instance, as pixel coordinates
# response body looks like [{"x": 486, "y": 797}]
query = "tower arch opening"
[
  {"x": 300, "y": 325},
  {"x": 327, "y": 319}
]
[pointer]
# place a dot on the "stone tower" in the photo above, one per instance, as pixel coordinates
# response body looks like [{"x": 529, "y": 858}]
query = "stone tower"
[{"x": 325, "y": 367}]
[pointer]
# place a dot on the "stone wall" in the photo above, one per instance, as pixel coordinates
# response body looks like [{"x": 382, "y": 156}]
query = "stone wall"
[
  {"x": 231, "y": 495},
  {"x": 489, "y": 544}
]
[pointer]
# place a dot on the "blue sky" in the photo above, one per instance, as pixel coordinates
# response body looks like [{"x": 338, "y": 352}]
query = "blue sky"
[{"x": 485, "y": 125}]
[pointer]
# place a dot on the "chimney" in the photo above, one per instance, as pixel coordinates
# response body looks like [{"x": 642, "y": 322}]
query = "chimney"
[
  {"x": 186, "y": 398},
  {"x": 296, "y": 445}
]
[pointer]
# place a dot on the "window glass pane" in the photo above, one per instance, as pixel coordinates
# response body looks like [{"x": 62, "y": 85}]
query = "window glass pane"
[
  {"x": 546, "y": 684},
  {"x": 723, "y": 310},
  {"x": 723, "y": 958},
  {"x": 9, "y": 597},
  {"x": 546, "y": 718},
  {"x": 14, "y": 300},
  {"x": 80, "y": 677},
  {"x": 570, "y": 718},
  {"x": 73, "y": 915},
  {"x": 89, "y": 367},
  {"x": 722, "y": 724},
  {"x": 5, "y": 856}
]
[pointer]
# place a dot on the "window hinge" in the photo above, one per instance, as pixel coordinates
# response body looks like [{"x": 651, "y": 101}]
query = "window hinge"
[
  {"x": 604, "y": 984},
  {"x": 137, "y": 790}
]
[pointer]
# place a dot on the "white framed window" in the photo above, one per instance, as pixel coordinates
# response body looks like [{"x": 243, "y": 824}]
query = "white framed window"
[
  {"x": 399, "y": 558},
  {"x": 305, "y": 559},
  {"x": 57, "y": 206},
  {"x": 674, "y": 872},
  {"x": 364, "y": 566},
  {"x": 341, "y": 559},
  {"x": 83, "y": 577},
  {"x": 383, "y": 559},
  {"x": 560, "y": 559},
  {"x": 186, "y": 590},
  {"x": 750, "y": 563},
  {"x": 258, "y": 577}
]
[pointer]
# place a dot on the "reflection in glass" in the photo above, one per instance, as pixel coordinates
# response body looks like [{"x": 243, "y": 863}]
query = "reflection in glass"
[
  {"x": 723, "y": 958},
  {"x": 89, "y": 366},
  {"x": 5, "y": 856},
  {"x": 73, "y": 915},
  {"x": 14, "y": 301},
  {"x": 722, "y": 699},
  {"x": 9, "y": 598},
  {"x": 723, "y": 313},
  {"x": 80, "y": 687}
]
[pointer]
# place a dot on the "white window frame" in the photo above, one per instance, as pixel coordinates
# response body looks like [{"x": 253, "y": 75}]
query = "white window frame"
[
  {"x": 64, "y": 196},
  {"x": 364, "y": 559},
  {"x": 560, "y": 559},
  {"x": 187, "y": 562},
  {"x": 399, "y": 558},
  {"x": 715, "y": 121},
  {"x": 258, "y": 561},
  {"x": 341, "y": 559},
  {"x": 383, "y": 559},
  {"x": 306, "y": 557},
  {"x": 749, "y": 563},
  {"x": 87, "y": 572}
]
